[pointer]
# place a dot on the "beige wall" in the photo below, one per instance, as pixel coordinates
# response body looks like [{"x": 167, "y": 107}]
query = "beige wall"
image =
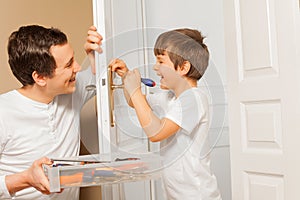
[{"x": 73, "y": 18}]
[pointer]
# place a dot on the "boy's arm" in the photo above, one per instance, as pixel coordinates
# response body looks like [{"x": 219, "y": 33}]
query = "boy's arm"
[{"x": 155, "y": 128}]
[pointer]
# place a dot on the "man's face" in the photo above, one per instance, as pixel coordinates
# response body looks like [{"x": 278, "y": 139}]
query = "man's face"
[{"x": 63, "y": 80}]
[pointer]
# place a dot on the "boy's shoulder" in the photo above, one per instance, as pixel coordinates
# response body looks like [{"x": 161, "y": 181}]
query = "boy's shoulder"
[{"x": 163, "y": 95}]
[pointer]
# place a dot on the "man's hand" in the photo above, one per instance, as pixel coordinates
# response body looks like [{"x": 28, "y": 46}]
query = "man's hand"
[
  {"x": 93, "y": 43},
  {"x": 32, "y": 177},
  {"x": 118, "y": 66},
  {"x": 36, "y": 176}
]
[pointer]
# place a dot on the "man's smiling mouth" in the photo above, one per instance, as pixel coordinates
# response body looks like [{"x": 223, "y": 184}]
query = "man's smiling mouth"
[{"x": 72, "y": 79}]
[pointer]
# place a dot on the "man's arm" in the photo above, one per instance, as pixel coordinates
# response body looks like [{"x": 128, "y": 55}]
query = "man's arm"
[
  {"x": 92, "y": 44},
  {"x": 32, "y": 177}
]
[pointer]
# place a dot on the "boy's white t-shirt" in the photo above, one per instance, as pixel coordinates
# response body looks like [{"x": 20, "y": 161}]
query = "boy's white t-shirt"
[{"x": 186, "y": 173}]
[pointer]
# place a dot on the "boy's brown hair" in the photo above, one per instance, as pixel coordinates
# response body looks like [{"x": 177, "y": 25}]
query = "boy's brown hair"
[{"x": 184, "y": 45}]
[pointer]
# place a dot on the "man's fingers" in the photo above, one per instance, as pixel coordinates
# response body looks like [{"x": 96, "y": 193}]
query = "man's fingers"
[
  {"x": 43, "y": 160},
  {"x": 93, "y": 28},
  {"x": 94, "y": 39}
]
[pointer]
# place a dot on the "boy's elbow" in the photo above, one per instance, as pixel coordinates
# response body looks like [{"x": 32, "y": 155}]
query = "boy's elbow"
[{"x": 154, "y": 139}]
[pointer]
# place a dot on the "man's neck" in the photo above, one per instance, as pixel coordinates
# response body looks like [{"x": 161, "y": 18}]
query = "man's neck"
[{"x": 36, "y": 93}]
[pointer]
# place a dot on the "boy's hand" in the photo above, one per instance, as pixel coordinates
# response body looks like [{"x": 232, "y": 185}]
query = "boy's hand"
[
  {"x": 93, "y": 43},
  {"x": 132, "y": 81},
  {"x": 118, "y": 66}
]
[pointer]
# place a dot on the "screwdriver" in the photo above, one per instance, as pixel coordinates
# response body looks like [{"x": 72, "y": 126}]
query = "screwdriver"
[{"x": 148, "y": 82}]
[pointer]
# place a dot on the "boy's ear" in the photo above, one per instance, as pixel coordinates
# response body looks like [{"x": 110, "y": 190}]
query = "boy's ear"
[
  {"x": 39, "y": 79},
  {"x": 185, "y": 68}
]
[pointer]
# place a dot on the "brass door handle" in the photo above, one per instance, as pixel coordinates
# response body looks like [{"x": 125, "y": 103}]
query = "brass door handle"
[
  {"x": 146, "y": 81},
  {"x": 111, "y": 88}
]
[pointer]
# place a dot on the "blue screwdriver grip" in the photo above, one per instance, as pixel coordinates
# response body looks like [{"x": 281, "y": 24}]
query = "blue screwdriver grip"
[{"x": 148, "y": 82}]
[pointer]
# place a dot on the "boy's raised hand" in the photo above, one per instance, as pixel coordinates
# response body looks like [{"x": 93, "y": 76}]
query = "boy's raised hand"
[{"x": 118, "y": 66}]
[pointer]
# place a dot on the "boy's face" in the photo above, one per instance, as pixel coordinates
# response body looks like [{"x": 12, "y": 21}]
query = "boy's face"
[
  {"x": 170, "y": 78},
  {"x": 63, "y": 80}
]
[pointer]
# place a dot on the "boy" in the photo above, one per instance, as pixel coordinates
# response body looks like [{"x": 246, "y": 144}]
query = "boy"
[
  {"x": 182, "y": 128},
  {"x": 42, "y": 117}
]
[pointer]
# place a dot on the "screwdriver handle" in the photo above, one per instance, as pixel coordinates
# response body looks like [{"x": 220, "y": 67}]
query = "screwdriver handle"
[{"x": 148, "y": 82}]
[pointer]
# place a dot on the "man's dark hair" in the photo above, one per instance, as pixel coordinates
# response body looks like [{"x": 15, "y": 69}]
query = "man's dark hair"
[{"x": 29, "y": 51}]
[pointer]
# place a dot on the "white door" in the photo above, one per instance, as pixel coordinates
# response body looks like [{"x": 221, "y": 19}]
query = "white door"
[
  {"x": 263, "y": 65},
  {"x": 131, "y": 28},
  {"x": 121, "y": 25}
]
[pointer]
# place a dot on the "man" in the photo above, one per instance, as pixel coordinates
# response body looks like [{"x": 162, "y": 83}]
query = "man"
[{"x": 40, "y": 120}]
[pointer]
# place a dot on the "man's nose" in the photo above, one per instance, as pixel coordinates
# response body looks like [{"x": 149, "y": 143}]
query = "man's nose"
[{"x": 77, "y": 67}]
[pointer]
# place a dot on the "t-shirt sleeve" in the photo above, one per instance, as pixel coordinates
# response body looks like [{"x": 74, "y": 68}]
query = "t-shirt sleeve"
[
  {"x": 4, "y": 136},
  {"x": 158, "y": 103},
  {"x": 83, "y": 79},
  {"x": 188, "y": 110},
  {"x": 4, "y": 194}
]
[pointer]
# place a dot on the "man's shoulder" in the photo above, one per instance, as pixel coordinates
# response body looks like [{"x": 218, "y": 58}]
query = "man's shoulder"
[
  {"x": 7, "y": 102},
  {"x": 7, "y": 97}
]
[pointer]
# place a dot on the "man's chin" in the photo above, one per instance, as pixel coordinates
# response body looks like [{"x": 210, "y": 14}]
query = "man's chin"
[{"x": 70, "y": 90}]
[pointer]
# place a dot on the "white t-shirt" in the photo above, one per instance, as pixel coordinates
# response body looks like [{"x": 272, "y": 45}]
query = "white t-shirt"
[
  {"x": 186, "y": 173},
  {"x": 30, "y": 130}
]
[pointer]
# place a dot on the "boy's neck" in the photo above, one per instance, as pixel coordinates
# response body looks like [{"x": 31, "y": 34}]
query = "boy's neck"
[{"x": 184, "y": 85}]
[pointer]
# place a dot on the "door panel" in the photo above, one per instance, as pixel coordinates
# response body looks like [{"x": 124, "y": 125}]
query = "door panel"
[{"x": 263, "y": 94}]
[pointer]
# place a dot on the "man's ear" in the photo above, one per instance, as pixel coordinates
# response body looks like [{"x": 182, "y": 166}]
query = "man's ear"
[
  {"x": 185, "y": 68},
  {"x": 39, "y": 79}
]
